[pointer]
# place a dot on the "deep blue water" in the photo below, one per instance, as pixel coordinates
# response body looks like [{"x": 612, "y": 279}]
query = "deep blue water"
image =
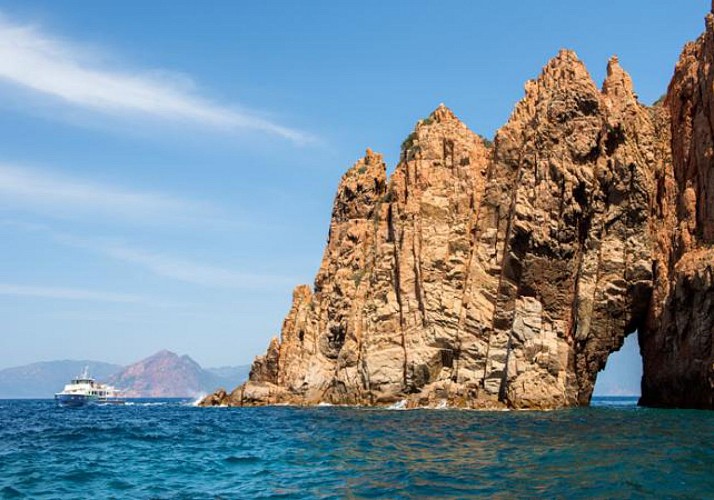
[{"x": 173, "y": 450}]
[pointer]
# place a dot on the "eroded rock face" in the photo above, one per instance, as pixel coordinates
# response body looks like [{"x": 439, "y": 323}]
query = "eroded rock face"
[
  {"x": 570, "y": 258},
  {"x": 677, "y": 344},
  {"x": 504, "y": 276},
  {"x": 678, "y": 357}
]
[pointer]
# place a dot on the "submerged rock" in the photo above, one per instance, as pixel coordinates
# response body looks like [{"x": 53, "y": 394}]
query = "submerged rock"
[{"x": 504, "y": 276}]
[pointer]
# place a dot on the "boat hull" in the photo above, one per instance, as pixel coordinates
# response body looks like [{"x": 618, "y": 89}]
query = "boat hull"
[{"x": 73, "y": 400}]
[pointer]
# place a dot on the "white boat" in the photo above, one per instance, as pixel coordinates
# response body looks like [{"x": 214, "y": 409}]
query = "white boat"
[{"x": 83, "y": 390}]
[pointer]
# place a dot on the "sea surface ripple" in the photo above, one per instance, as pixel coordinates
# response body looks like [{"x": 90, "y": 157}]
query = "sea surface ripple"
[{"x": 173, "y": 450}]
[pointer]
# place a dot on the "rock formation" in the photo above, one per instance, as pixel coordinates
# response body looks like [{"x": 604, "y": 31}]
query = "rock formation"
[
  {"x": 677, "y": 345},
  {"x": 504, "y": 276}
]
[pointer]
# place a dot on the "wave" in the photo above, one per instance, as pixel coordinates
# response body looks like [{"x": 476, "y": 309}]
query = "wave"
[
  {"x": 196, "y": 401},
  {"x": 399, "y": 405}
]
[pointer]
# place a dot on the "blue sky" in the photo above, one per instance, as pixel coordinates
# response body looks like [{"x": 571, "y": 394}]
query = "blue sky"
[{"x": 167, "y": 168}]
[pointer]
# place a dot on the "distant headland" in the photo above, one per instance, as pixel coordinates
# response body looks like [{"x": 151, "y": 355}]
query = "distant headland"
[{"x": 162, "y": 375}]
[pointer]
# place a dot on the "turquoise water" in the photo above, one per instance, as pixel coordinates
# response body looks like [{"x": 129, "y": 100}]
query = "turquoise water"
[{"x": 173, "y": 450}]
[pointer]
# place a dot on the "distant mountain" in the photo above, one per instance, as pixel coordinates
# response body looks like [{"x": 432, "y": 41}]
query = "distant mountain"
[
  {"x": 43, "y": 379},
  {"x": 166, "y": 374}
]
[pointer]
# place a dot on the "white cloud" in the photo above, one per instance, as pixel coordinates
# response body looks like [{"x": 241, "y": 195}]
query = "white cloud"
[
  {"x": 47, "y": 292},
  {"x": 195, "y": 273},
  {"x": 51, "y": 194},
  {"x": 42, "y": 63},
  {"x": 163, "y": 265}
]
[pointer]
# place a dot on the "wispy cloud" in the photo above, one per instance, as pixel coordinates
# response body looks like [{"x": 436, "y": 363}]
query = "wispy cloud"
[
  {"x": 195, "y": 273},
  {"x": 163, "y": 265},
  {"x": 48, "y": 292},
  {"x": 35, "y": 60},
  {"x": 52, "y": 194}
]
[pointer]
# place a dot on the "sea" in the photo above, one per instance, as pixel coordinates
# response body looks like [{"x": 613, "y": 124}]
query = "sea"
[{"x": 170, "y": 449}]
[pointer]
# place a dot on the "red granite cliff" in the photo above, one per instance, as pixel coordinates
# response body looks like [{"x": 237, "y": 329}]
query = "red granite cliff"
[{"x": 504, "y": 276}]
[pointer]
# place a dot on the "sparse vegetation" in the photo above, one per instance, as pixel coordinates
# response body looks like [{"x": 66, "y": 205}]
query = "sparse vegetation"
[
  {"x": 459, "y": 246},
  {"x": 486, "y": 141},
  {"x": 357, "y": 276},
  {"x": 409, "y": 141}
]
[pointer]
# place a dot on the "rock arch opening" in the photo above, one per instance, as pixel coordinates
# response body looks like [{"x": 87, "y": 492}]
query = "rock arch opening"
[{"x": 622, "y": 375}]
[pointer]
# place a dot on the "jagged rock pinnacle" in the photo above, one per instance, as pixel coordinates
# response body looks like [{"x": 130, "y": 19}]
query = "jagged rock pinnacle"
[
  {"x": 360, "y": 188},
  {"x": 567, "y": 55},
  {"x": 442, "y": 114},
  {"x": 563, "y": 72},
  {"x": 618, "y": 84},
  {"x": 563, "y": 67},
  {"x": 371, "y": 158}
]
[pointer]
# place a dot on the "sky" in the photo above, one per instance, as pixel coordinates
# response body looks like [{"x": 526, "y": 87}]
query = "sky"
[
  {"x": 167, "y": 168},
  {"x": 623, "y": 371}
]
